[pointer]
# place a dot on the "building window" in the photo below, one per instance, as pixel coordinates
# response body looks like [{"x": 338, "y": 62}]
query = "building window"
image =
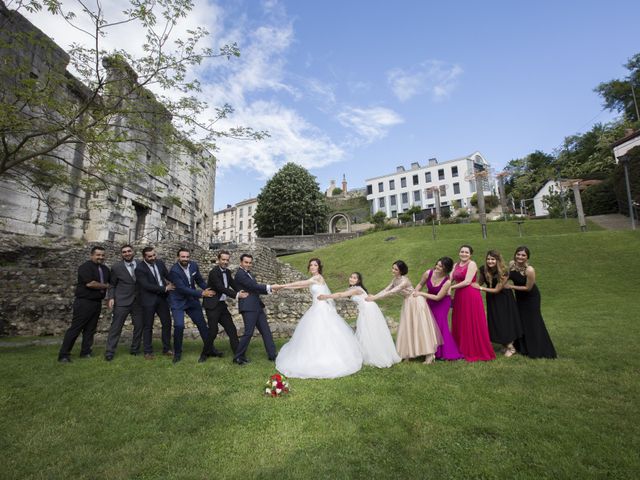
[
  {"x": 394, "y": 213},
  {"x": 441, "y": 174},
  {"x": 443, "y": 191},
  {"x": 240, "y": 225},
  {"x": 240, "y": 237},
  {"x": 403, "y": 182},
  {"x": 392, "y": 200},
  {"x": 405, "y": 198},
  {"x": 380, "y": 187},
  {"x": 369, "y": 189},
  {"x": 381, "y": 202},
  {"x": 249, "y": 237},
  {"x": 416, "y": 196},
  {"x": 454, "y": 171},
  {"x": 224, "y": 235},
  {"x": 427, "y": 177},
  {"x": 456, "y": 188},
  {"x": 249, "y": 209},
  {"x": 392, "y": 184},
  {"x": 415, "y": 179},
  {"x": 249, "y": 223},
  {"x": 429, "y": 193},
  {"x": 241, "y": 210}
]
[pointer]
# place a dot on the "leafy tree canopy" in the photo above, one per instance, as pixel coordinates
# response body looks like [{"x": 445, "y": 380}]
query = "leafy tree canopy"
[
  {"x": 103, "y": 113},
  {"x": 290, "y": 201},
  {"x": 618, "y": 95}
]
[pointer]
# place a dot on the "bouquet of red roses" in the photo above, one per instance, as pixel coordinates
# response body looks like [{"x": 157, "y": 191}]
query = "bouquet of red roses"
[{"x": 277, "y": 385}]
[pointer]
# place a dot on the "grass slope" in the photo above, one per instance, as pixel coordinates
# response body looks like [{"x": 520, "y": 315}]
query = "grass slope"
[{"x": 574, "y": 417}]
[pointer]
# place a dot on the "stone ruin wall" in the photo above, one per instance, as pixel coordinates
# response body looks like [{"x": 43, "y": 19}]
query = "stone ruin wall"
[
  {"x": 38, "y": 275},
  {"x": 178, "y": 205}
]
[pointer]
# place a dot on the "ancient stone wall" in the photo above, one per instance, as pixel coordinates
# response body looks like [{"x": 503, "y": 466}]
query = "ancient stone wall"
[
  {"x": 303, "y": 243},
  {"x": 38, "y": 275},
  {"x": 176, "y": 205}
]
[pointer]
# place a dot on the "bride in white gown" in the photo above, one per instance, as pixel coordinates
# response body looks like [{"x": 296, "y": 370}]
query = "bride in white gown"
[
  {"x": 323, "y": 344},
  {"x": 372, "y": 331}
]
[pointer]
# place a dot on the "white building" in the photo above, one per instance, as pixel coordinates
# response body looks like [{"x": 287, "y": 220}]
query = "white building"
[
  {"x": 236, "y": 223},
  {"x": 396, "y": 192},
  {"x": 539, "y": 207},
  {"x": 246, "y": 230}
]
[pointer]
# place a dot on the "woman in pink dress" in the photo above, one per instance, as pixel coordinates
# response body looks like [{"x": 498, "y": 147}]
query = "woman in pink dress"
[
  {"x": 469, "y": 321},
  {"x": 437, "y": 282}
]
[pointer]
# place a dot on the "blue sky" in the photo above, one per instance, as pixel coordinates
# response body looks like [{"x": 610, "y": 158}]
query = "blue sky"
[{"x": 358, "y": 87}]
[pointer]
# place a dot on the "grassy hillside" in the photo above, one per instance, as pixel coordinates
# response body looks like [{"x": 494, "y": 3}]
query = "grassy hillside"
[{"x": 573, "y": 417}]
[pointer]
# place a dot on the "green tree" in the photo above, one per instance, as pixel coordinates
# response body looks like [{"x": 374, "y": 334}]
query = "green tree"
[
  {"x": 527, "y": 175},
  {"x": 102, "y": 118},
  {"x": 408, "y": 215},
  {"x": 618, "y": 94},
  {"x": 290, "y": 201},
  {"x": 379, "y": 218}
]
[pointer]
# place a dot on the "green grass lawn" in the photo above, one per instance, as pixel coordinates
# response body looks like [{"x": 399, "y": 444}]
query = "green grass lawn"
[{"x": 574, "y": 417}]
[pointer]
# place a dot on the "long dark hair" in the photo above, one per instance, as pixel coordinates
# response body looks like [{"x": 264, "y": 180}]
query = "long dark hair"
[
  {"x": 318, "y": 261},
  {"x": 360, "y": 284},
  {"x": 447, "y": 264},
  {"x": 499, "y": 271}
]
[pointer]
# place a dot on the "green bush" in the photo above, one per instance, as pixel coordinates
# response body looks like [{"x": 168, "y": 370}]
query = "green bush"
[
  {"x": 600, "y": 199},
  {"x": 490, "y": 201}
]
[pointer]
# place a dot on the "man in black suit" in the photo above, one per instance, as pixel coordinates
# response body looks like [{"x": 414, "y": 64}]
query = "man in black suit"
[
  {"x": 220, "y": 281},
  {"x": 252, "y": 310},
  {"x": 122, "y": 297},
  {"x": 153, "y": 283},
  {"x": 93, "y": 281}
]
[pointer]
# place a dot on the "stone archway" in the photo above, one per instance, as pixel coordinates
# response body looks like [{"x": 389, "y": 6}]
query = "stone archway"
[{"x": 335, "y": 218}]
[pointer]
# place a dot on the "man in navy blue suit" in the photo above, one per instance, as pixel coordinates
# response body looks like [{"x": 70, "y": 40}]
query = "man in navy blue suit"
[
  {"x": 252, "y": 310},
  {"x": 185, "y": 275},
  {"x": 153, "y": 287}
]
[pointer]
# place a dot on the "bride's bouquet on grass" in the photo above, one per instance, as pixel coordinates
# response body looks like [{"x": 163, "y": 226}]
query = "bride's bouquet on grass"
[{"x": 277, "y": 385}]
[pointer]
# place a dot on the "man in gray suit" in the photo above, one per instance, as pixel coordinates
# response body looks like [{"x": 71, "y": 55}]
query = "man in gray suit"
[{"x": 122, "y": 297}]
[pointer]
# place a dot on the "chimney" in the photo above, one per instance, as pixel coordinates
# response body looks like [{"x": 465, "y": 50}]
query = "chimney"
[
  {"x": 400, "y": 168},
  {"x": 433, "y": 161},
  {"x": 415, "y": 165}
]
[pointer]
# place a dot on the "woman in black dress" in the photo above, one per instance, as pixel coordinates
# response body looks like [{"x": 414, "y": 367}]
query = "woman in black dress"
[
  {"x": 535, "y": 341},
  {"x": 502, "y": 311}
]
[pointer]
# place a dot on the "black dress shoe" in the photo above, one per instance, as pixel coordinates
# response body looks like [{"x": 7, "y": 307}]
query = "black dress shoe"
[
  {"x": 86, "y": 355},
  {"x": 108, "y": 358},
  {"x": 240, "y": 361},
  {"x": 217, "y": 353},
  {"x": 202, "y": 359},
  {"x": 135, "y": 354},
  {"x": 176, "y": 358},
  {"x": 272, "y": 359},
  {"x": 64, "y": 360}
]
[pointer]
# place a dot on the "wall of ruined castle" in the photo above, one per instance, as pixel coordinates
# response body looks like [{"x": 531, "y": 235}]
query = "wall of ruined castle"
[
  {"x": 38, "y": 275},
  {"x": 178, "y": 205}
]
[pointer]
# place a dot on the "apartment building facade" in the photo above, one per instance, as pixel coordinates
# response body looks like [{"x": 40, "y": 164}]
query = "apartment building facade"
[
  {"x": 453, "y": 180},
  {"x": 235, "y": 223}
]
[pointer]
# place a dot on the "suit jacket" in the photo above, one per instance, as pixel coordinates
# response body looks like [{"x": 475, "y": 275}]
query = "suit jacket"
[
  {"x": 123, "y": 288},
  {"x": 216, "y": 283},
  {"x": 246, "y": 282},
  {"x": 147, "y": 283},
  {"x": 185, "y": 295}
]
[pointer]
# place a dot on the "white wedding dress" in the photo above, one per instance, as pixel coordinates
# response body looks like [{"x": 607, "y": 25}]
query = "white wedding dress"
[
  {"x": 323, "y": 344},
  {"x": 373, "y": 334}
]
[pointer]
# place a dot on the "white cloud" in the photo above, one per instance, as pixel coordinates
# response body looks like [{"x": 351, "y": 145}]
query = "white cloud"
[
  {"x": 292, "y": 139},
  {"x": 431, "y": 77},
  {"x": 369, "y": 124}
]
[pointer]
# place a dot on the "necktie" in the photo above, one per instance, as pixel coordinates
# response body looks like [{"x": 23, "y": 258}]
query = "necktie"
[
  {"x": 101, "y": 274},
  {"x": 132, "y": 268},
  {"x": 157, "y": 274},
  {"x": 223, "y": 297}
]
